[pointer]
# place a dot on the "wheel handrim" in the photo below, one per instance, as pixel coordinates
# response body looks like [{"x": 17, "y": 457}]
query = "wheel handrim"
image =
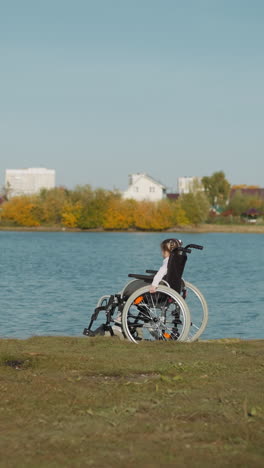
[{"x": 160, "y": 316}]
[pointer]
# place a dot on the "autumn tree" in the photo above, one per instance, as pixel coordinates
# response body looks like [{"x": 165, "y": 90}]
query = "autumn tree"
[
  {"x": 120, "y": 214},
  {"x": 71, "y": 214},
  {"x": 20, "y": 211},
  {"x": 154, "y": 216}
]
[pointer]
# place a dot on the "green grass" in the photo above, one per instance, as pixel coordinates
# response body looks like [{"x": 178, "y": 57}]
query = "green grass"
[{"x": 75, "y": 402}]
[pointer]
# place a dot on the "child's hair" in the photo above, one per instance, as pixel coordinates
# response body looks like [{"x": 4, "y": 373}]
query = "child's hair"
[{"x": 170, "y": 244}]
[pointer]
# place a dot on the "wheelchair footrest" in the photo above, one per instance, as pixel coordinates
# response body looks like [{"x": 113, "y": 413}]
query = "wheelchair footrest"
[
  {"x": 88, "y": 332},
  {"x": 102, "y": 330}
]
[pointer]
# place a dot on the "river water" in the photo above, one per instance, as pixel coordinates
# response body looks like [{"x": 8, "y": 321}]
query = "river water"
[{"x": 50, "y": 282}]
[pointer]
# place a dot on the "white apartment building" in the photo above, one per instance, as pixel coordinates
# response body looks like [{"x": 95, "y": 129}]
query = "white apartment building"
[
  {"x": 143, "y": 187},
  {"x": 189, "y": 184},
  {"x": 28, "y": 181}
]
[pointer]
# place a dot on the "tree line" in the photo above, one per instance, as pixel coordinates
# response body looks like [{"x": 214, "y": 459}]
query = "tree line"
[{"x": 88, "y": 208}]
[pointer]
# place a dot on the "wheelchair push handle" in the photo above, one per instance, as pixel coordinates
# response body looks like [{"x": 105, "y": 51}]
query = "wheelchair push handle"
[
  {"x": 194, "y": 246},
  {"x": 187, "y": 249},
  {"x": 183, "y": 249}
]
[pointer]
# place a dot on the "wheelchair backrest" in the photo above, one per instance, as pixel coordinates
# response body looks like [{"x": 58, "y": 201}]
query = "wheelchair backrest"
[{"x": 176, "y": 266}]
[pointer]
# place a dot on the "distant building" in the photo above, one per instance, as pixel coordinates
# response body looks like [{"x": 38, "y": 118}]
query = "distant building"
[
  {"x": 188, "y": 184},
  {"x": 143, "y": 187},
  {"x": 249, "y": 191},
  {"x": 28, "y": 181}
]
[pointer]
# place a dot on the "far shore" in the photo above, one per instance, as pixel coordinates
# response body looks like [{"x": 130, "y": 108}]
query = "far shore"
[{"x": 201, "y": 228}]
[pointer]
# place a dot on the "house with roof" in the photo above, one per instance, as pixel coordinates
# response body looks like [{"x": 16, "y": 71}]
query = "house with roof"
[{"x": 143, "y": 187}]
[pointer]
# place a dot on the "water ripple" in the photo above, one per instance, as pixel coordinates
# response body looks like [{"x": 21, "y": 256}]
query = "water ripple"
[{"x": 50, "y": 282}]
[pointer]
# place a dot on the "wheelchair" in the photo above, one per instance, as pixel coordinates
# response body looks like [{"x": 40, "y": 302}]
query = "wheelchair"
[{"x": 176, "y": 311}]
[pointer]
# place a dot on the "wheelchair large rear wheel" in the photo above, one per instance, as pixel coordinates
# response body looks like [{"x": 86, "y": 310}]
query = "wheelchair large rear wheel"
[
  {"x": 198, "y": 309},
  {"x": 163, "y": 315}
]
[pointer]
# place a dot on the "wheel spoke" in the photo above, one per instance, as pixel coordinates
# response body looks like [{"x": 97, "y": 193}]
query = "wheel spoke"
[{"x": 162, "y": 315}]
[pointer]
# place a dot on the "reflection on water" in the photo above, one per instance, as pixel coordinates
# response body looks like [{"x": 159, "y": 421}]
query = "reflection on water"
[{"x": 50, "y": 282}]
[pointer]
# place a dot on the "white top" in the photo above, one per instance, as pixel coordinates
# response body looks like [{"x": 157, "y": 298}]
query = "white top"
[{"x": 160, "y": 273}]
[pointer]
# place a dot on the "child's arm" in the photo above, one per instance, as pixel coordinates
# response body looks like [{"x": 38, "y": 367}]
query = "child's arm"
[{"x": 159, "y": 275}]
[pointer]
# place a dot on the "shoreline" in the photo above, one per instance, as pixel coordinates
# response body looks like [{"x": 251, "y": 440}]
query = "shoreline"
[
  {"x": 230, "y": 340},
  {"x": 202, "y": 228}
]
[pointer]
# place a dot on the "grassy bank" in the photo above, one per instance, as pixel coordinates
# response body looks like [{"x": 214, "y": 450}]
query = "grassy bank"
[
  {"x": 73, "y": 402},
  {"x": 201, "y": 228}
]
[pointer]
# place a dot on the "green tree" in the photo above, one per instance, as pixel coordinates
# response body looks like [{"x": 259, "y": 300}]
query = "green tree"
[
  {"x": 241, "y": 202},
  {"x": 179, "y": 217},
  {"x": 93, "y": 211},
  {"x": 195, "y": 206},
  {"x": 52, "y": 203},
  {"x": 82, "y": 193},
  {"x": 217, "y": 188}
]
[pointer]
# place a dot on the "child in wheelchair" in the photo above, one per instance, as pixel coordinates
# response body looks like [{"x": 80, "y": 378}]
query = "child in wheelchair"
[
  {"x": 167, "y": 246},
  {"x": 158, "y": 301}
]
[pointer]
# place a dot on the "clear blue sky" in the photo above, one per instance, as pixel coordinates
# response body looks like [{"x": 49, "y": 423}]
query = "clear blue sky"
[{"x": 98, "y": 89}]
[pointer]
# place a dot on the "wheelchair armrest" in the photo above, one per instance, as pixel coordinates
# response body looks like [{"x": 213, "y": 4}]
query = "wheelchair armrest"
[{"x": 141, "y": 277}]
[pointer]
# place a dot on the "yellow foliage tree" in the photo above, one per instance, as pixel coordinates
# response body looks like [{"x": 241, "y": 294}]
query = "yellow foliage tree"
[
  {"x": 154, "y": 216},
  {"x": 70, "y": 214},
  {"x": 20, "y": 211},
  {"x": 119, "y": 214}
]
